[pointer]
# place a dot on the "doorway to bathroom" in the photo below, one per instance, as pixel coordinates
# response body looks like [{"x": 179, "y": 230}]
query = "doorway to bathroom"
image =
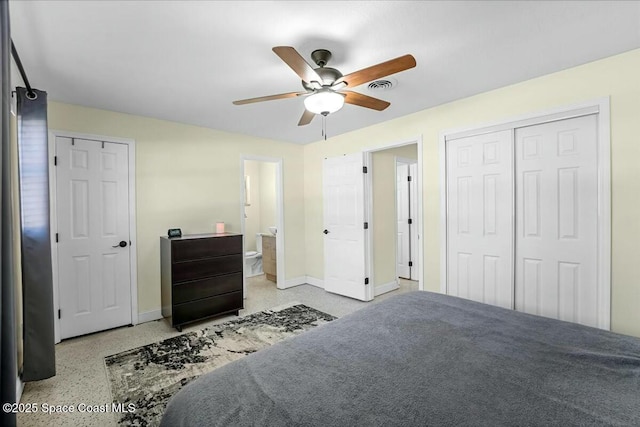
[{"x": 261, "y": 219}]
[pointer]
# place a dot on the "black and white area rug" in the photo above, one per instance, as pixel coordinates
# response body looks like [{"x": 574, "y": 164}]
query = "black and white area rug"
[{"x": 149, "y": 376}]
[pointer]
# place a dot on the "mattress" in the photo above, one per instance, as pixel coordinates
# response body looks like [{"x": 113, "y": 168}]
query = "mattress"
[{"x": 425, "y": 359}]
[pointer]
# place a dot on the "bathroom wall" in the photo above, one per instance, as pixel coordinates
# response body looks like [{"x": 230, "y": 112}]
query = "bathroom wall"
[
  {"x": 261, "y": 214},
  {"x": 253, "y": 211},
  {"x": 268, "y": 200}
]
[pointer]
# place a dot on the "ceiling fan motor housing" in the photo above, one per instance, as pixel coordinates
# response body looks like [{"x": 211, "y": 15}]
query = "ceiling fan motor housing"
[{"x": 329, "y": 76}]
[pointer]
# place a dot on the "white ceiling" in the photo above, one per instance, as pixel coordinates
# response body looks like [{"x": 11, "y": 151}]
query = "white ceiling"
[{"x": 187, "y": 61}]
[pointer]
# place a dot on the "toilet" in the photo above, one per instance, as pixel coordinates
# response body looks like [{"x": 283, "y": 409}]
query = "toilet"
[{"x": 253, "y": 259}]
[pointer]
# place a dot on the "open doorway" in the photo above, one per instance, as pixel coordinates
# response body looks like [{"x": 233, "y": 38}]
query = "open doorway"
[
  {"x": 261, "y": 219},
  {"x": 395, "y": 216}
]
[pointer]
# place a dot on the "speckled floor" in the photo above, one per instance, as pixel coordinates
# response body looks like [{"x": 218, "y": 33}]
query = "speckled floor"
[{"x": 81, "y": 376}]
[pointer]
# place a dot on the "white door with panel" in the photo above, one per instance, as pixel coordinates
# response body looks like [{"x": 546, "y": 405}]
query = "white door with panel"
[
  {"x": 344, "y": 233},
  {"x": 546, "y": 176},
  {"x": 557, "y": 220},
  {"x": 406, "y": 213},
  {"x": 480, "y": 218},
  {"x": 92, "y": 210}
]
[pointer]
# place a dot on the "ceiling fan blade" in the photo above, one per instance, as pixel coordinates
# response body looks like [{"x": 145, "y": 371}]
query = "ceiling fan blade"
[
  {"x": 269, "y": 98},
  {"x": 381, "y": 70},
  {"x": 366, "y": 101},
  {"x": 306, "y": 118},
  {"x": 297, "y": 63}
]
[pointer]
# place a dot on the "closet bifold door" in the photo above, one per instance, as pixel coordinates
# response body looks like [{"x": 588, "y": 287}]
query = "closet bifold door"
[
  {"x": 556, "y": 220},
  {"x": 480, "y": 229}
]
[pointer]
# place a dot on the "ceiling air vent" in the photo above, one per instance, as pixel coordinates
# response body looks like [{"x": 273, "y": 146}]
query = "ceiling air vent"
[{"x": 384, "y": 84}]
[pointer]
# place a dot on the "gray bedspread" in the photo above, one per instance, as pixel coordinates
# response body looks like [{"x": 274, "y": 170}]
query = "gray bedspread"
[{"x": 423, "y": 359}]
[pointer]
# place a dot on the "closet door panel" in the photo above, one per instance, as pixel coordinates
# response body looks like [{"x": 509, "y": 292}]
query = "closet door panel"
[
  {"x": 556, "y": 220},
  {"x": 480, "y": 218}
]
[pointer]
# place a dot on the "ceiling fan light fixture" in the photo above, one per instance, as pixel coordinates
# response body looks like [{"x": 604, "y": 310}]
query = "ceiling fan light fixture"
[{"x": 324, "y": 101}]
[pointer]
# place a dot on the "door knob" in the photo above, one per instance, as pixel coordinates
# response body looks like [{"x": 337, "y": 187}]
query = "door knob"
[
  {"x": 326, "y": 231},
  {"x": 122, "y": 244}
]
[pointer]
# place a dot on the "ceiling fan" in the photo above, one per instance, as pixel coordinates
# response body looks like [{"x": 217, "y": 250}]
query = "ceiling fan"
[{"x": 325, "y": 87}]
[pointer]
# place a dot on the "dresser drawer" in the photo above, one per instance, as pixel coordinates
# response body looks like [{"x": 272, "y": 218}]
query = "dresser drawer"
[
  {"x": 211, "y": 286},
  {"x": 192, "y": 249},
  {"x": 206, "y": 307},
  {"x": 200, "y": 269}
]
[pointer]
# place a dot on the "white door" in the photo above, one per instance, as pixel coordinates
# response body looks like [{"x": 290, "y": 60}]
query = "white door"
[
  {"x": 403, "y": 239},
  {"x": 480, "y": 218},
  {"x": 344, "y": 233},
  {"x": 92, "y": 203},
  {"x": 406, "y": 215},
  {"x": 413, "y": 214},
  {"x": 557, "y": 214}
]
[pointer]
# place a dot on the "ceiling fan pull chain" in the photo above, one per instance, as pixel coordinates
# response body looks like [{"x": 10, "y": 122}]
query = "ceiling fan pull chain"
[{"x": 324, "y": 126}]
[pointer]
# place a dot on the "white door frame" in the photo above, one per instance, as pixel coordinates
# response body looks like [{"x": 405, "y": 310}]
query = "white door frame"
[
  {"x": 599, "y": 106},
  {"x": 406, "y": 161},
  {"x": 280, "y": 271},
  {"x": 368, "y": 211},
  {"x": 133, "y": 259}
]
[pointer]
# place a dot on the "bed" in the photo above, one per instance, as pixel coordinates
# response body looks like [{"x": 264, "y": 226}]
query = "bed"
[{"x": 425, "y": 359}]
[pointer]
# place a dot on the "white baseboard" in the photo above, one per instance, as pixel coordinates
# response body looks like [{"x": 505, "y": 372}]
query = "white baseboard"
[
  {"x": 387, "y": 287},
  {"x": 19, "y": 389},
  {"x": 319, "y": 283},
  {"x": 315, "y": 282},
  {"x": 296, "y": 281},
  {"x": 149, "y": 316},
  {"x": 303, "y": 280}
]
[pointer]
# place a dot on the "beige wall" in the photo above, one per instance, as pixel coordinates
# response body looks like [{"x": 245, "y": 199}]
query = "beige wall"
[
  {"x": 189, "y": 177},
  {"x": 383, "y": 170},
  {"x": 616, "y": 77}
]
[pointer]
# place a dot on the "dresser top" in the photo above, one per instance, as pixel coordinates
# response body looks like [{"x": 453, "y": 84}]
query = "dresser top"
[{"x": 201, "y": 236}]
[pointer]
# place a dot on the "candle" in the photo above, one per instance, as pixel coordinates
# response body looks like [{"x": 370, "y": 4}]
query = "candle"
[{"x": 219, "y": 227}]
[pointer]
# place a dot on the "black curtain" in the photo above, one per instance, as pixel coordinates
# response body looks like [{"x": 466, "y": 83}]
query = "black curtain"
[
  {"x": 37, "y": 289},
  {"x": 8, "y": 351}
]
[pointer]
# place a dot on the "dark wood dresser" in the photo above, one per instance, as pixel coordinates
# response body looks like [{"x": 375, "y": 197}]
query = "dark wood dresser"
[{"x": 201, "y": 276}]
